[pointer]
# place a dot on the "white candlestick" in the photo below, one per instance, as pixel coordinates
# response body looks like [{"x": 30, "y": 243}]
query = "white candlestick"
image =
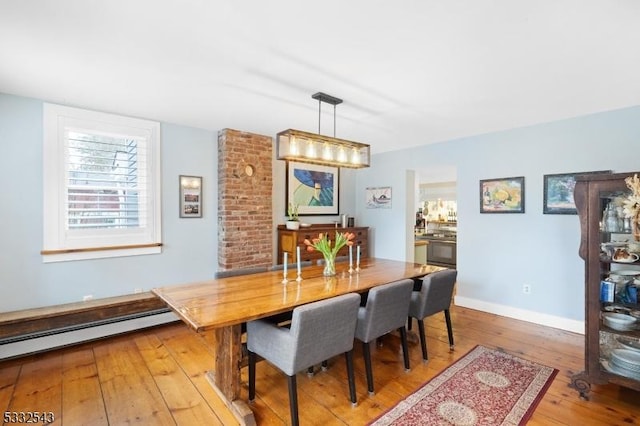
[
  {"x": 350, "y": 257},
  {"x": 298, "y": 257},
  {"x": 358, "y": 258},
  {"x": 284, "y": 269}
]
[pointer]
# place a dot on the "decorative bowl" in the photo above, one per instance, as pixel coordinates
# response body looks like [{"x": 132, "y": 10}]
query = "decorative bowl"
[
  {"x": 627, "y": 359},
  {"x": 631, "y": 344},
  {"x": 618, "y": 321}
]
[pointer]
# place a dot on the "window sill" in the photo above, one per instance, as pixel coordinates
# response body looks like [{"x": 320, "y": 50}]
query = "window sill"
[{"x": 50, "y": 256}]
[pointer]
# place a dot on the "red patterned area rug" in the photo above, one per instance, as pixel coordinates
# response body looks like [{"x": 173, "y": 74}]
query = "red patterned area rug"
[{"x": 484, "y": 387}]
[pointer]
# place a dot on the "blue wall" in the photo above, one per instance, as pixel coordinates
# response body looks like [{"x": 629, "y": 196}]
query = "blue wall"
[
  {"x": 190, "y": 250},
  {"x": 190, "y": 245},
  {"x": 498, "y": 253}
]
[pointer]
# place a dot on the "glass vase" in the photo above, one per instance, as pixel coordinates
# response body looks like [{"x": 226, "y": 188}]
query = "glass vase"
[{"x": 329, "y": 266}]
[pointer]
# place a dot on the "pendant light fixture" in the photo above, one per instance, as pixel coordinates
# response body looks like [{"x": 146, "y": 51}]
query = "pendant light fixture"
[{"x": 314, "y": 148}]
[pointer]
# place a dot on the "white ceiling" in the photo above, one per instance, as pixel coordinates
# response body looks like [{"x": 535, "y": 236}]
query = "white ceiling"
[{"x": 410, "y": 72}]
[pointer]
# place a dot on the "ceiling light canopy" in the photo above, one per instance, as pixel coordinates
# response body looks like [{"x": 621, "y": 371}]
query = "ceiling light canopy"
[{"x": 314, "y": 148}]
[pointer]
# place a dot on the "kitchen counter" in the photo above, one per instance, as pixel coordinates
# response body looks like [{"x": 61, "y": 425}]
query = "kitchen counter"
[{"x": 436, "y": 237}]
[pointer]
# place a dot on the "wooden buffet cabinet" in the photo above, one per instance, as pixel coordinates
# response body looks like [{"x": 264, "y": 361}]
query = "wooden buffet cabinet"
[
  {"x": 289, "y": 239},
  {"x": 607, "y": 344}
]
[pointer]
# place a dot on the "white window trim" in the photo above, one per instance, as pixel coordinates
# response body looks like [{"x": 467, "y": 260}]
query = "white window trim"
[{"x": 58, "y": 244}]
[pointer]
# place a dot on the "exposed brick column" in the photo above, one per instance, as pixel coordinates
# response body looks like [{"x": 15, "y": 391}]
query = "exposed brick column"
[{"x": 245, "y": 214}]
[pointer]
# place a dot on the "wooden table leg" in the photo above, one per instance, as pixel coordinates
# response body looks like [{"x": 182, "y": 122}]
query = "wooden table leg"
[{"x": 225, "y": 377}]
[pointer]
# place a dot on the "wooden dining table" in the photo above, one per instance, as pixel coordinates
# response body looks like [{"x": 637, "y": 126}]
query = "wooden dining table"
[{"x": 223, "y": 304}]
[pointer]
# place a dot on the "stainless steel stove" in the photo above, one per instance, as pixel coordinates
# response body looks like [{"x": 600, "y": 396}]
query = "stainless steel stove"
[{"x": 441, "y": 250}]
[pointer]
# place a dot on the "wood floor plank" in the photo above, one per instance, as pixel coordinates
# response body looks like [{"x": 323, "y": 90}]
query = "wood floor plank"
[
  {"x": 8, "y": 378},
  {"x": 272, "y": 389},
  {"x": 82, "y": 402},
  {"x": 130, "y": 393},
  {"x": 149, "y": 376},
  {"x": 181, "y": 396},
  {"x": 39, "y": 387},
  {"x": 194, "y": 356}
]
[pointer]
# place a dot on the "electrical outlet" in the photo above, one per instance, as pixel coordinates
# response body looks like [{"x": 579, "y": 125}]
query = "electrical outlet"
[
  {"x": 526, "y": 288},
  {"x": 87, "y": 297}
]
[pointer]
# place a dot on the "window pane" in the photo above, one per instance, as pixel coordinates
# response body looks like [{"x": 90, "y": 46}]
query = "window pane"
[{"x": 103, "y": 181}]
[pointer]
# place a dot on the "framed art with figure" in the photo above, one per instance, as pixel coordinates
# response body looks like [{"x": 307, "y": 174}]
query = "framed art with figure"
[
  {"x": 379, "y": 198},
  {"x": 313, "y": 188},
  {"x": 504, "y": 195}
]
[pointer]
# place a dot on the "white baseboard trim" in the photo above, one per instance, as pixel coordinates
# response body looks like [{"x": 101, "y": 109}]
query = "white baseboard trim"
[
  {"x": 39, "y": 344},
  {"x": 522, "y": 314}
]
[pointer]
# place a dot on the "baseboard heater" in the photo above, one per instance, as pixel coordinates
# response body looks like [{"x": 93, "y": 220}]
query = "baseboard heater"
[{"x": 40, "y": 341}]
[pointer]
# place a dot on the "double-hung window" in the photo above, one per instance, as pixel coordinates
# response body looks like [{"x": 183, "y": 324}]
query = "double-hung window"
[{"x": 101, "y": 185}]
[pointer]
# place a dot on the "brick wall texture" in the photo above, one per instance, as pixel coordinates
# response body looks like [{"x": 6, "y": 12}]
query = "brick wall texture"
[{"x": 245, "y": 213}]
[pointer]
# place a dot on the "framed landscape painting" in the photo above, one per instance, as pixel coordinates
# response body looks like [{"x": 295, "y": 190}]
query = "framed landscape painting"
[
  {"x": 504, "y": 195},
  {"x": 313, "y": 188},
  {"x": 558, "y": 192}
]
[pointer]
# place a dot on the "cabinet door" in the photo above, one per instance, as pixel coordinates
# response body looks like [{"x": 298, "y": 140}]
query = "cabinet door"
[
  {"x": 618, "y": 316},
  {"x": 420, "y": 254}
]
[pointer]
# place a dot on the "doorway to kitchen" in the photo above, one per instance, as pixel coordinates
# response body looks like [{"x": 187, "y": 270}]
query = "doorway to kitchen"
[{"x": 436, "y": 217}]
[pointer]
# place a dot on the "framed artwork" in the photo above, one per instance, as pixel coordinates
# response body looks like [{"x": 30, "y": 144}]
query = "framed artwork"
[
  {"x": 190, "y": 196},
  {"x": 379, "y": 198},
  {"x": 313, "y": 188},
  {"x": 504, "y": 195},
  {"x": 558, "y": 192}
]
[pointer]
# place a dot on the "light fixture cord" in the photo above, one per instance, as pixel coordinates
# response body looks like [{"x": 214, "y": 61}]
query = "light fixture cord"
[
  {"x": 320, "y": 117},
  {"x": 319, "y": 114},
  {"x": 334, "y": 120}
]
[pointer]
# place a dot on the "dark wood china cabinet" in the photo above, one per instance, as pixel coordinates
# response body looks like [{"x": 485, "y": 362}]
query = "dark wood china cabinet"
[{"x": 612, "y": 278}]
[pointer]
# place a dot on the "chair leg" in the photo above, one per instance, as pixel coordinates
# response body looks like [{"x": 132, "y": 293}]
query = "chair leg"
[
  {"x": 405, "y": 349},
  {"x": 293, "y": 400},
  {"x": 423, "y": 339},
  {"x": 447, "y": 318},
  {"x": 252, "y": 376},
  {"x": 351, "y": 375},
  {"x": 409, "y": 323},
  {"x": 366, "y": 351}
]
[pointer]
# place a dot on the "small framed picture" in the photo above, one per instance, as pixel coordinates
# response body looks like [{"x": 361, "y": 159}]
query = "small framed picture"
[
  {"x": 379, "y": 198},
  {"x": 190, "y": 196},
  {"x": 558, "y": 192},
  {"x": 504, "y": 195}
]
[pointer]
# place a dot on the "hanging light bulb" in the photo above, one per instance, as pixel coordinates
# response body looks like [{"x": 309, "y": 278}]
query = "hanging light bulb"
[
  {"x": 311, "y": 150},
  {"x": 355, "y": 156},
  {"x": 342, "y": 155},
  {"x": 327, "y": 152},
  {"x": 293, "y": 146}
]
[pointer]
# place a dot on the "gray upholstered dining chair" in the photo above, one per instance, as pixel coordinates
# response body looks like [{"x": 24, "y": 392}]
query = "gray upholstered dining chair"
[
  {"x": 318, "y": 331},
  {"x": 434, "y": 296},
  {"x": 386, "y": 309}
]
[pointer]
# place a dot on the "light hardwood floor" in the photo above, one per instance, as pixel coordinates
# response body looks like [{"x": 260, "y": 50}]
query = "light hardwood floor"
[{"x": 157, "y": 377}]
